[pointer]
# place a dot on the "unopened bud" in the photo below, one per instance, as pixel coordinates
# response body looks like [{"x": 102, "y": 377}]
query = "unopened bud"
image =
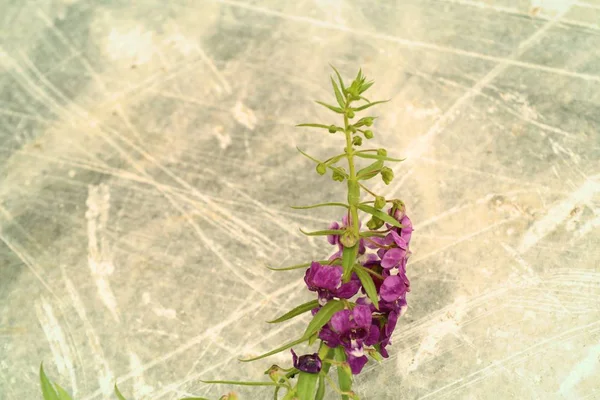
[
  {"x": 350, "y": 114},
  {"x": 337, "y": 176},
  {"x": 368, "y": 134},
  {"x": 374, "y": 223},
  {"x": 321, "y": 169},
  {"x": 387, "y": 175},
  {"x": 368, "y": 121},
  {"x": 230, "y": 396},
  {"x": 352, "y": 129},
  {"x": 382, "y": 152},
  {"x": 332, "y": 129},
  {"x": 357, "y": 140},
  {"x": 349, "y": 239},
  {"x": 379, "y": 202}
]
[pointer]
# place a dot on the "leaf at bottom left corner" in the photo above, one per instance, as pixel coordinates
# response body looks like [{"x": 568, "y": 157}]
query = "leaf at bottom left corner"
[
  {"x": 47, "y": 389},
  {"x": 118, "y": 393}
]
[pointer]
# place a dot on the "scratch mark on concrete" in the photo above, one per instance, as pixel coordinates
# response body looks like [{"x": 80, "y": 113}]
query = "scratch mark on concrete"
[{"x": 99, "y": 257}]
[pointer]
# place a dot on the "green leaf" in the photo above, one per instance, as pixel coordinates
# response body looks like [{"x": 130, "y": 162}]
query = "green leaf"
[
  {"x": 365, "y": 106},
  {"x": 298, "y": 266},
  {"x": 344, "y": 376},
  {"x": 370, "y": 171},
  {"x": 118, "y": 393},
  {"x": 277, "y": 350},
  {"x": 365, "y": 87},
  {"x": 339, "y": 77},
  {"x": 332, "y": 108},
  {"x": 368, "y": 284},
  {"x": 377, "y": 157},
  {"x": 242, "y": 383},
  {"x": 321, "y": 387},
  {"x": 62, "y": 393},
  {"x": 324, "y": 232},
  {"x": 372, "y": 233},
  {"x": 328, "y": 127},
  {"x": 47, "y": 390},
  {"x": 348, "y": 260},
  {"x": 301, "y": 309},
  {"x": 308, "y": 156},
  {"x": 338, "y": 95},
  {"x": 323, "y": 316},
  {"x": 307, "y": 383},
  {"x": 380, "y": 214},
  {"x": 320, "y": 205},
  {"x": 312, "y": 339}
]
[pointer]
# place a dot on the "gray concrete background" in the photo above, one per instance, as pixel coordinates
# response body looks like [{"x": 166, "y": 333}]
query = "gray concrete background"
[{"x": 147, "y": 159}]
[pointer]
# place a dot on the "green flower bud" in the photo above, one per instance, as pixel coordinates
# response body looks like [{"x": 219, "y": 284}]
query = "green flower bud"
[
  {"x": 387, "y": 175},
  {"x": 230, "y": 396},
  {"x": 350, "y": 114},
  {"x": 275, "y": 373},
  {"x": 352, "y": 128},
  {"x": 357, "y": 140},
  {"x": 321, "y": 169},
  {"x": 332, "y": 129},
  {"x": 379, "y": 202},
  {"x": 368, "y": 121},
  {"x": 382, "y": 152},
  {"x": 374, "y": 223},
  {"x": 337, "y": 176},
  {"x": 368, "y": 134},
  {"x": 348, "y": 238},
  {"x": 354, "y": 98}
]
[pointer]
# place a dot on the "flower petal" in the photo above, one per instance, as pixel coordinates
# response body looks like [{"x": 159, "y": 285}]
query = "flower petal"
[
  {"x": 362, "y": 316},
  {"x": 356, "y": 363},
  {"x": 340, "y": 322},
  {"x": 393, "y": 288},
  {"x": 392, "y": 258}
]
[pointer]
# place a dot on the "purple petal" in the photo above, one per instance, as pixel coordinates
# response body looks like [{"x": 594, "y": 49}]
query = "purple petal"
[
  {"x": 356, "y": 363},
  {"x": 399, "y": 240},
  {"x": 310, "y": 363},
  {"x": 294, "y": 358},
  {"x": 347, "y": 290},
  {"x": 407, "y": 229},
  {"x": 392, "y": 258},
  {"x": 340, "y": 322},
  {"x": 362, "y": 316},
  {"x": 391, "y": 324},
  {"x": 393, "y": 288},
  {"x": 333, "y": 239},
  {"x": 323, "y": 277},
  {"x": 330, "y": 338},
  {"x": 373, "y": 335}
]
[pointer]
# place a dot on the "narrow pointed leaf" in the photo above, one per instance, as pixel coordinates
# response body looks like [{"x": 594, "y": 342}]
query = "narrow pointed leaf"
[
  {"x": 368, "y": 284},
  {"x": 365, "y": 87},
  {"x": 380, "y": 214},
  {"x": 348, "y": 261},
  {"x": 321, "y": 387},
  {"x": 339, "y": 77},
  {"x": 367, "y": 234},
  {"x": 242, "y": 383},
  {"x": 308, "y": 156},
  {"x": 320, "y": 205},
  {"x": 332, "y": 108},
  {"x": 307, "y": 383},
  {"x": 47, "y": 389},
  {"x": 344, "y": 378},
  {"x": 318, "y": 126},
  {"x": 324, "y": 233},
  {"x": 301, "y": 309},
  {"x": 378, "y": 157},
  {"x": 338, "y": 94},
  {"x": 365, "y": 106},
  {"x": 62, "y": 393},
  {"x": 298, "y": 266},
  {"x": 277, "y": 350},
  {"x": 370, "y": 171},
  {"x": 118, "y": 393},
  {"x": 323, "y": 317}
]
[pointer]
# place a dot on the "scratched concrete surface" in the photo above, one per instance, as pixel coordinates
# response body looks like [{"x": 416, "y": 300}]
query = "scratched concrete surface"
[{"x": 147, "y": 159}]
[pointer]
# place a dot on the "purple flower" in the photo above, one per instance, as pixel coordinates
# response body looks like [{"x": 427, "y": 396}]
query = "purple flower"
[
  {"x": 327, "y": 282},
  {"x": 394, "y": 287},
  {"x": 310, "y": 363},
  {"x": 353, "y": 330}
]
